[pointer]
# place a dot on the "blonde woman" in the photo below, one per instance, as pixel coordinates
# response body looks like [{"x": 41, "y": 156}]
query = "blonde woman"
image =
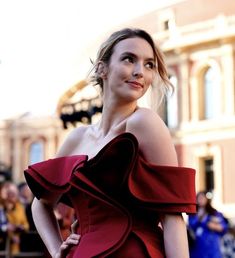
[{"x": 120, "y": 175}]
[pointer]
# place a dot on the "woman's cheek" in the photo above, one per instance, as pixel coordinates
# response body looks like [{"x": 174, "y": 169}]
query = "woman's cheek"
[{"x": 149, "y": 81}]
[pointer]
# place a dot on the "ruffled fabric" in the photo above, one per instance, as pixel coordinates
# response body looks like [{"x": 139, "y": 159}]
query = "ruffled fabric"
[
  {"x": 53, "y": 175},
  {"x": 163, "y": 188},
  {"x": 116, "y": 177}
]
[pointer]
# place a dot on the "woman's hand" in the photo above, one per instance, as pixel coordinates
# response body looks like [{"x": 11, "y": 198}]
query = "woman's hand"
[
  {"x": 215, "y": 224},
  {"x": 65, "y": 247},
  {"x": 72, "y": 239}
]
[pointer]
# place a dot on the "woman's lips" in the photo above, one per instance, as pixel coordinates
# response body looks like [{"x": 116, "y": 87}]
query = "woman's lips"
[{"x": 135, "y": 84}]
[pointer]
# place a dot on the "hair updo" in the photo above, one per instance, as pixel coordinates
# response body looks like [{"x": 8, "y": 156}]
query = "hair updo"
[{"x": 106, "y": 50}]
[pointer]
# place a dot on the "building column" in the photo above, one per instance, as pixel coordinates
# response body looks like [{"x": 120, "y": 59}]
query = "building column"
[
  {"x": 17, "y": 172},
  {"x": 184, "y": 89},
  {"x": 227, "y": 64},
  {"x": 50, "y": 148}
]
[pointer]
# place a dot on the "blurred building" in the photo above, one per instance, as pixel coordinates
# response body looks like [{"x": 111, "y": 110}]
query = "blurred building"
[
  {"x": 25, "y": 140},
  {"x": 198, "y": 40}
]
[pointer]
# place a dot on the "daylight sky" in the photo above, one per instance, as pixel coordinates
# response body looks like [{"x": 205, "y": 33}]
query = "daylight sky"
[{"x": 44, "y": 47}]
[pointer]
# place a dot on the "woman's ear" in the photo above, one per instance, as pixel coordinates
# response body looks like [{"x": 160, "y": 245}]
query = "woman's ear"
[{"x": 102, "y": 70}]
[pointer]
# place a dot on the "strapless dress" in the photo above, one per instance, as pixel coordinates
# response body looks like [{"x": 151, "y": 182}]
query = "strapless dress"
[{"x": 118, "y": 198}]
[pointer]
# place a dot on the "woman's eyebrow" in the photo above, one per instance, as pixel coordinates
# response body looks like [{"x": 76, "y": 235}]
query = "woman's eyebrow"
[
  {"x": 135, "y": 56},
  {"x": 129, "y": 54}
]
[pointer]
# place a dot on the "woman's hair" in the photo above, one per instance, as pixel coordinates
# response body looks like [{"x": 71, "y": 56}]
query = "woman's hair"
[
  {"x": 208, "y": 207},
  {"x": 107, "y": 48}
]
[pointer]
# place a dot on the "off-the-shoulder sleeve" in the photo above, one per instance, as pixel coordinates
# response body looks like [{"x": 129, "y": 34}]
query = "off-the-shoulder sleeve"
[
  {"x": 163, "y": 188},
  {"x": 52, "y": 175}
]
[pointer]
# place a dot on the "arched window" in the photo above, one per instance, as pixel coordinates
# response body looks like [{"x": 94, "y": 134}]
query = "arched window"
[
  {"x": 172, "y": 105},
  {"x": 211, "y": 94},
  {"x": 207, "y": 174},
  {"x": 36, "y": 152}
]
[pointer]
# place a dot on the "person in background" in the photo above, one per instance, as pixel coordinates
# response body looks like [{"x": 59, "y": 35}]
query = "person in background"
[
  {"x": 26, "y": 198},
  {"x": 3, "y": 223},
  {"x": 228, "y": 241},
  {"x": 30, "y": 240},
  {"x": 208, "y": 226},
  {"x": 15, "y": 213},
  {"x": 25, "y": 194},
  {"x": 119, "y": 174}
]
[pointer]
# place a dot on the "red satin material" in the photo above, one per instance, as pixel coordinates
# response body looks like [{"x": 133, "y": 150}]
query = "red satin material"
[{"x": 117, "y": 196}]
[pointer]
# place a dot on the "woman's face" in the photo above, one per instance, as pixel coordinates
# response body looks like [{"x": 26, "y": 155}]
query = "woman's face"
[
  {"x": 131, "y": 69},
  {"x": 202, "y": 200}
]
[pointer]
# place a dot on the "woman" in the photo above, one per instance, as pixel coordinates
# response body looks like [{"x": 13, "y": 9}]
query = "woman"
[
  {"x": 208, "y": 226},
  {"x": 107, "y": 171},
  {"x": 17, "y": 222}
]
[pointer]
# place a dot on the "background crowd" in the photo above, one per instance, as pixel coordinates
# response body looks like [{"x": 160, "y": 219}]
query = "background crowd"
[
  {"x": 210, "y": 233},
  {"x": 17, "y": 230}
]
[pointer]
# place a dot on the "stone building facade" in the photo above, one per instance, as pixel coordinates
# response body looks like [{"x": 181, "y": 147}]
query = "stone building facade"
[{"x": 198, "y": 40}]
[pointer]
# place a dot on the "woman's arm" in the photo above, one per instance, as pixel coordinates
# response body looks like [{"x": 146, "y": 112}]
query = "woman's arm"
[
  {"x": 43, "y": 209},
  {"x": 48, "y": 228},
  {"x": 46, "y": 224},
  {"x": 217, "y": 223},
  {"x": 175, "y": 236},
  {"x": 157, "y": 147}
]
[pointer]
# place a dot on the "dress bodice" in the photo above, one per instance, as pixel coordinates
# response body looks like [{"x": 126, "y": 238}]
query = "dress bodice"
[{"x": 115, "y": 193}]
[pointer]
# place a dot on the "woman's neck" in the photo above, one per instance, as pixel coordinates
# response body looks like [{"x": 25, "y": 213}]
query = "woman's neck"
[{"x": 114, "y": 117}]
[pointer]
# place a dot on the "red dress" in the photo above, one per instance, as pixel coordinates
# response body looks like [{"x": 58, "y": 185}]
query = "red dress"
[{"x": 117, "y": 196}]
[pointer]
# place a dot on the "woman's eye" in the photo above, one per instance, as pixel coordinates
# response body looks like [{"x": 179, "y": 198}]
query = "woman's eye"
[
  {"x": 128, "y": 59},
  {"x": 150, "y": 65}
]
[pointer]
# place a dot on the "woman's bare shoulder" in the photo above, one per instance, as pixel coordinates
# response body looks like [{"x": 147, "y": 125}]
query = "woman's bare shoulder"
[
  {"x": 71, "y": 141},
  {"x": 154, "y": 138},
  {"x": 143, "y": 117}
]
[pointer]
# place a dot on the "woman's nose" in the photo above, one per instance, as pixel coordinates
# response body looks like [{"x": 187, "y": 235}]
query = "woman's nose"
[{"x": 138, "y": 71}]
